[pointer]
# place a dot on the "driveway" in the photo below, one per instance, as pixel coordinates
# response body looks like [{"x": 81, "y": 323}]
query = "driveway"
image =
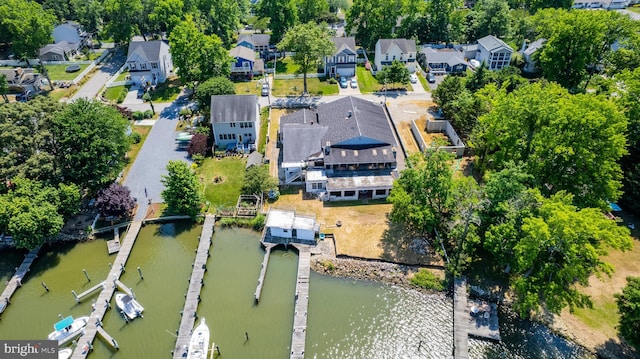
[
  {"x": 417, "y": 88},
  {"x": 159, "y": 148},
  {"x": 105, "y": 72}
]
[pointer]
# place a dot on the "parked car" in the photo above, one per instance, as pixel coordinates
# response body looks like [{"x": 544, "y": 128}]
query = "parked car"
[
  {"x": 25, "y": 96},
  {"x": 354, "y": 83},
  {"x": 430, "y": 78},
  {"x": 413, "y": 78},
  {"x": 265, "y": 90},
  {"x": 343, "y": 82}
]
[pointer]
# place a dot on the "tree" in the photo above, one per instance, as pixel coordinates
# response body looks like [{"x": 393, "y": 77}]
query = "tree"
[
  {"x": 629, "y": 100},
  {"x": 123, "y": 18},
  {"x": 629, "y": 308},
  {"x": 257, "y": 180},
  {"x": 89, "y": 143},
  {"x": 566, "y": 142},
  {"x": 440, "y": 12},
  {"x": 70, "y": 199},
  {"x": 535, "y": 5},
  {"x": 311, "y": 10},
  {"x": 282, "y": 16},
  {"x": 166, "y": 14},
  {"x": 115, "y": 201},
  {"x": 372, "y": 20},
  {"x": 491, "y": 17},
  {"x": 27, "y": 26},
  {"x": 198, "y": 145},
  {"x": 4, "y": 87},
  {"x": 223, "y": 17},
  {"x": 89, "y": 14},
  {"x": 479, "y": 79},
  {"x": 147, "y": 97},
  {"x": 183, "y": 192},
  {"x": 197, "y": 56},
  {"x": 396, "y": 73},
  {"x": 213, "y": 87},
  {"x": 468, "y": 199},
  {"x": 577, "y": 42},
  {"x": 310, "y": 43}
]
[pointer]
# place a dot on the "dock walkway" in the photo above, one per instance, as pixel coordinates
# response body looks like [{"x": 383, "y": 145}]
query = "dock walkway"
[
  {"x": 460, "y": 319},
  {"x": 103, "y": 301},
  {"x": 298, "y": 337},
  {"x": 263, "y": 269},
  {"x": 16, "y": 280},
  {"x": 195, "y": 285}
]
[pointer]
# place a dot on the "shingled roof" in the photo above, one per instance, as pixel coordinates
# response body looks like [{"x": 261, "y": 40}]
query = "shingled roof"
[
  {"x": 342, "y": 43},
  {"x": 234, "y": 108},
  {"x": 405, "y": 45},
  {"x": 145, "y": 50}
]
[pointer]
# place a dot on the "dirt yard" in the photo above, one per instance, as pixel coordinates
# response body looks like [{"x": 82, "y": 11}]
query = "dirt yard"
[{"x": 408, "y": 140}]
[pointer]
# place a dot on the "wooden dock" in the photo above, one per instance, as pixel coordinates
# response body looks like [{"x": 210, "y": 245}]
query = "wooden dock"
[
  {"x": 298, "y": 337},
  {"x": 195, "y": 285},
  {"x": 460, "y": 319},
  {"x": 85, "y": 342},
  {"x": 113, "y": 245},
  {"x": 79, "y": 297},
  {"x": 263, "y": 270},
  {"x": 16, "y": 280}
]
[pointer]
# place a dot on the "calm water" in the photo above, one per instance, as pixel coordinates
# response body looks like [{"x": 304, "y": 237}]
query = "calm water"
[{"x": 347, "y": 318}]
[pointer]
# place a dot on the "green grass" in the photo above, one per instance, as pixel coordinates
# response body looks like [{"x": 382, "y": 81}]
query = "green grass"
[
  {"x": 634, "y": 8},
  {"x": 112, "y": 93},
  {"x": 248, "y": 87},
  {"x": 225, "y": 193},
  {"x": 264, "y": 127},
  {"x": 604, "y": 315},
  {"x": 59, "y": 93},
  {"x": 284, "y": 66},
  {"x": 122, "y": 76},
  {"x": 167, "y": 91},
  {"x": 58, "y": 73},
  {"x": 295, "y": 87},
  {"x": 135, "y": 148},
  {"x": 366, "y": 81},
  {"x": 424, "y": 82}
]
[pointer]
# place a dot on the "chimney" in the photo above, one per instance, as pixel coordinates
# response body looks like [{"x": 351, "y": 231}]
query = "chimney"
[
  {"x": 327, "y": 148},
  {"x": 394, "y": 151},
  {"x": 349, "y": 114}
]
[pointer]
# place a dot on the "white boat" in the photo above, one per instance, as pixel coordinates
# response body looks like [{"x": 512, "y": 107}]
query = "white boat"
[
  {"x": 67, "y": 329},
  {"x": 199, "y": 343},
  {"x": 129, "y": 306},
  {"x": 65, "y": 353}
]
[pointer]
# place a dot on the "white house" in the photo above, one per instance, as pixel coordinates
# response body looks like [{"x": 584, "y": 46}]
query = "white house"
[
  {"x": 283, "y": 226},
  {"x": 528, "y": 55},
  {"x": 403, "y": 50},
  {"x": 495, "y": 53},
  {"x": 235, "y": 120},
  {"x": 149, "y": 62}
]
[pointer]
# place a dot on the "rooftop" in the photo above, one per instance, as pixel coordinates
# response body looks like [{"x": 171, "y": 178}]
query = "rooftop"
[{"x": 234, "y": 108}]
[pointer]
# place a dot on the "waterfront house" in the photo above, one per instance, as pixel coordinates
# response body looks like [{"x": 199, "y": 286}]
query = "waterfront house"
[
  {"x": 286, "y": 226},
  {"x": 495, "y": 53},
  {"x": 235, "y": 120},
  {"x": 149, "y": 62}
]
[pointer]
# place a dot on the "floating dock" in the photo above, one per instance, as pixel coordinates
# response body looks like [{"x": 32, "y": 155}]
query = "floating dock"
[
  {"x": 113, "y": 245},
  {"x": 16, "y": 280},
  {"x": 195, "y": 285},
  {"x": 298, "y": 337},
  {"x": 263, "y": 269},
  {"x": 103, "y": 302},
  {"x": 460, "y": 320}
]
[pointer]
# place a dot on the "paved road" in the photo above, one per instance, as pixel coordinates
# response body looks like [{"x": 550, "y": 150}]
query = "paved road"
[
  {"x": 105, "y": 72},
  {"x": 633, "y": 15},
  {"x": 158, "y": 149}
]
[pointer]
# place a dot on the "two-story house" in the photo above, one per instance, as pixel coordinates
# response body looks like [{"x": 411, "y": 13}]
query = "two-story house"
[
  {"x": 68, "y": 39},
  {"x": 495, "y": 53},
  {"x": 342, "y": 63},
  {"x": 403, "y": 50},
  {"x": 345, "y": 149},
  {"x": 235, "y": 120},
  {"x": 528, "y": 53},
  {"x": 256, "y": 42},
  {"x": 245, "y": 63},
  {"x": 149, "y": 62}
]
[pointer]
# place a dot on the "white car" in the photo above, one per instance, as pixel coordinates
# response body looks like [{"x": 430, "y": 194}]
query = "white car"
[{"x": 413, "y": 78}]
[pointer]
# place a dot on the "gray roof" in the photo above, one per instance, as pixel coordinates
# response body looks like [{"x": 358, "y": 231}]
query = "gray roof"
[
  {"x": 405, "y": 45},
  {"x": 349, "y": 123},
  {"x": 146, "y": 50},
  {"x": 254, "y": 159},
  {"x": 234, "y": 108},
  {"x": 243, "y": 53},
  {"x": 342, "y": 43},
  {"x": 534, "y": 46},
  {"x": 448, "y": 56},
  {"x": 255, "y": 39},
  {"x": 61, "y": 48},
  {"x": 492, "y": 43}
]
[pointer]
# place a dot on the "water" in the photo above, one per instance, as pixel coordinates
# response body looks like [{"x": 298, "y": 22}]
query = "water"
[{"x": 347, "y": 318}]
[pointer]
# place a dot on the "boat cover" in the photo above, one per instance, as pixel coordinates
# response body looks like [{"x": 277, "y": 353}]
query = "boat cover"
[{"x": 63, "y": 323}]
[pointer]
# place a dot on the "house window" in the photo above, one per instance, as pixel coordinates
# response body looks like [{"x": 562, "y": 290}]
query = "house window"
[
  {"x": 221, "y": 137},
  {"x": 224, "y": 137},
  {"x": 233, "y": 124},
  {"x": 55, "y": 57},
  {"x": 154, "y": 65},
  {"x": 241, "y": 124},
  {"x": 132, "y": 66},
  {"x": 381, "y": 192},
  {"x": 143, "y": 66},
  {"x": 233, "y": 136},
  {"x": 335, "y": 194},
  {"x": 285, "y": 230},
  {"x": 349, "y": 193},
  {"x": 386, "y": 57},
  {"x": 250, "y": 125}
]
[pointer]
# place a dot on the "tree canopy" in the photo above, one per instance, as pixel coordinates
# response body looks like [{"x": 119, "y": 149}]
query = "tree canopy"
[
  {"x": 115, "y": 201},
  {"x": 629, "y": 307},
  {"x": 282, "y": 16},
  {"x": 213, "y": 87},
  {"x": 123, "y": 18},
  {"x": 183, "y": 192},
  {"x": 26, "y": 26},
  {"x": 372, "y": 20},
  {"x": 396, "y": 73},
  {"x": 629, "y": 100},
  {"x": 257, "y": 180}
]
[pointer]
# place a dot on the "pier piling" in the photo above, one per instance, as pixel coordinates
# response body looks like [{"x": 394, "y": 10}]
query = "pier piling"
[
  {"x": 86, "y": 274},
  {"x": 44, "y": 285},
  {"x": 140, "y": 273}
]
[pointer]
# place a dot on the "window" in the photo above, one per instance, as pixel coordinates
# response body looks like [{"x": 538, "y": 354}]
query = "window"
[
  {"x": 55, "y": 57},
  {"x": 233, "y": 124},
  {"x": 335, "y": 194},
  {"x": 394, "y": 57},
  {"x": 233, "y": 136},
  {"x": 250, "y": 125},
  {"x": 241, "y": 124},
  {"x": 221, "y": 137},
  {"x": 386, "y": 57},
  {"x": 224, "y": 137},
  {"x": 349, "y": 193},
  {"x": 381, "y": 192},
  {"x": 132, "y": 66},
  {"x": 285, "y": 230},
  {"x": 154, "y": 65},
  {"x": 143, "y": 66}
]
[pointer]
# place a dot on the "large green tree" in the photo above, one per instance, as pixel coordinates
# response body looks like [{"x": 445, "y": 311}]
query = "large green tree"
[
  {"x": 197, "y": 56},
  {"x": 258, "y": 180},
  {"x": 311, "y": 10},
  {"x": 123, "y": 18},
  {"x": 166, "y": 14},
  {"x": 183, "y": 192},
  {"x": 282, "y": 16},
  {"x": 310, "y": 43},
  {"x": 629, "y": 308},
  {"x": 490, "y": 17},
  {"x": 89, "y": 143},
  {"x": 629, "y": 99},
  {"x": 27, "y": 26},
  {"x": 566, "y": 142},
  {"x": 89, "y": 14},
  {"x": 223, "y": 17},
  {"x": 396, "y": 73},
  {"x": 372, "y": 20},
  {"x": 213, "y": 87}
]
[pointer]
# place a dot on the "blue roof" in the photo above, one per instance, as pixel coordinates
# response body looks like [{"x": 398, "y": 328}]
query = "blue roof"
[
  {"x": 614, "y": 207},
  {"x": 63, "y": 323}
]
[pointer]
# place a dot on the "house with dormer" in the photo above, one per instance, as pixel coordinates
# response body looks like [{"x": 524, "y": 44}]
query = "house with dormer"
[
  {"x": 245, "y": 63},
  {"x": 235, "y": 121},
  {"x": 149, "y": 62},
  {"x": 403, "y": 50},
  {"x": 342, "y": 63},
  {"x": 343, "y": 150},
  {"x": 495, "y": 53},
  {"x": 256, "y": 42}
]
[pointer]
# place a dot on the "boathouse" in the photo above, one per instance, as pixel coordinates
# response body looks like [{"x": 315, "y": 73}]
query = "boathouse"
[{"x": 287, "y": 226}]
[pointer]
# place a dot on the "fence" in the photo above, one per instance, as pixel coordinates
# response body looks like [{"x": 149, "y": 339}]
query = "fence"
[
  {"x": 457, "y": 146},
  {"x": 292, "y": 76},
  {"x": 112, "y": 83}
]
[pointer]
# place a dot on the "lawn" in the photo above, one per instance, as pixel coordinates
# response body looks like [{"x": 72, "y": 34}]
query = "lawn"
[
  {"x": 59, "y": 93},
  {"x": 111, "y": 93},
  {"x": 295, "y": 87},
  {"x": 135, "y": 148},
  {"x": 167, "y": 91},
  {"x": 122, "y": 76},
  {"x": 224, "y": 193},
  {"x": 366, "y": 81},
  {"x": 264, "y": 127},
  {"x": 248, "y": 87},
  {"x": 424, "y": 82},
  {"x": 283, "y": 66},
  {"x": 634, "y": 8},
  {"x": 58, "y": 73}
]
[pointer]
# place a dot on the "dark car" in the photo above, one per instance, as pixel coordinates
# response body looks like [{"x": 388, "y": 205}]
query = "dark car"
[
  {"x": 343, "y": 82},
  {"x": 25, "y": 96}
]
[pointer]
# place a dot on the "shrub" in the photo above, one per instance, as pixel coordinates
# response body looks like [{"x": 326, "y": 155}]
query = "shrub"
[
  {"x": 427, "y": 280},
  {"x": 135, "y": 137},
  {"x": 327, "y": 265},
  {"x": 332, "y": 81},
  {"x": 120, "y": 98},
  {"x": 258, "y": 222},
  {"x": 227, "y": 222},
  {"x": 138, "y": 115},
  {"x": 197, "y": 158},
  {"x": 198, "y": 145},
  {"x": 148, "y": 114}
]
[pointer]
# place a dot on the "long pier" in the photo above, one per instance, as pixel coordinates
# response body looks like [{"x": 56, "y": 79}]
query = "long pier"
[
  {"x": 16, "y": 280},
  {"x": 263, "y": 269},
  {"x": 460, "y": 319},
  {"x": 85, "y": 342},
  {"x": 195, "y": 285},
  {"x": 298, "y": 337}
]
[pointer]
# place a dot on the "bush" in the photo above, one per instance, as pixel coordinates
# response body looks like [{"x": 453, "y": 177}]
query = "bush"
[
  {"x": 332, "y": 81},
  {"x": 427, "y": 280},
  {"x": 258, "y": 222},
  {"x": 327, "y": 265},
  {"x": 138, "y": 115},
  {"x": 629, "y": 309},
  {"x": 122, "y": 95},
  {"x": 148, "y": 114},
  {"x": 197, "y": 158},
  {"x": 135, "y": 137}
]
